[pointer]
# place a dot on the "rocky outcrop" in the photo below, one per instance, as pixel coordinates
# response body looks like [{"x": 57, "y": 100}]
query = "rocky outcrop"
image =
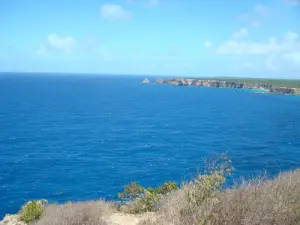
[
  {"x": 229, "y": 84},
  {"x": 296, "y": 91},
  {"x": 282, "y": 90},
  {"x": 12, "y": 220},
  {"x": 159, "y": 81},
  {"x": 146, "y": 81}
]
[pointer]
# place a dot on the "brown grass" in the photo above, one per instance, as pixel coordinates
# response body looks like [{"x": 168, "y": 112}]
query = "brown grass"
[
  {"x": 257, "y": 202},
  {"x": 81, "y": 213}
]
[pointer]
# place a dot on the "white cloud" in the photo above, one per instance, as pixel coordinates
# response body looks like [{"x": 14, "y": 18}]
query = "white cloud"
[
  {"x": 66, "y": 44},
  {"x": 237, "y": 47},
  {"x": 114, "y": 12},
  {"x": 59, "y": 43},
  {"x": 256, "y": 16},
  {"x": 274, "y": 54},
  {"x": 242, "y": 33},
  {"x": 208, "y": 44},
  {"x": 288, "y": 43}
]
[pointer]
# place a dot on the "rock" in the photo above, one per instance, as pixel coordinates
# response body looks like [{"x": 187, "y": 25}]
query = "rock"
[
  {"x": 191, "y": 82},
  {"x": 296, "y": 91},
  {"x": 146, "y": 81},
  {"x": 184, "y": 82},
  {"x": 12, "y": 220},
  {"x": 199, "y": 83},
  {"x": 159, "y": 81},
  {"x": 175, "y": 82}
]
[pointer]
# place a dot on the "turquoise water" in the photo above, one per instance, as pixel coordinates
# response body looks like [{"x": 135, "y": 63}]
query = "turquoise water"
[
  {"x": 261, "y": 91},
  {"x": 84, "y": 137}
]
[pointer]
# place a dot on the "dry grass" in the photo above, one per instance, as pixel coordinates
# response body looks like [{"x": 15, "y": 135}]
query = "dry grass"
[
  {"x": 81, "y": 213},
  {"x": 258, "y": 202},
  {"x": 201, "y": 201}
]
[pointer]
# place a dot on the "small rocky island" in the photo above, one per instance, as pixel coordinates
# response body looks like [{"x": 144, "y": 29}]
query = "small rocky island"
[
  {"x": 146, "y": 81},
  {"x": 218, "y": 83}
]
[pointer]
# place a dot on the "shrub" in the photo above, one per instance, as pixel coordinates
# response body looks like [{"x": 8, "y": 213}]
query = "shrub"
[
  {"x": 81, "y": 213},
  {"x": 31, "y": 211},
  {"x": 166, "y": 188},
  {"x": 145, "y": 203},
  {"x": 205, "y": 186},
  {"x": 260, "y": 201},
  {"x": 131, "y": 191},
  {"x": 141, "y": 199}
]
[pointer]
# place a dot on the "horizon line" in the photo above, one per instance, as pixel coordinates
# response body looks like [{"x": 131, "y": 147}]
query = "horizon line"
[{"x": 140, "y": 75}]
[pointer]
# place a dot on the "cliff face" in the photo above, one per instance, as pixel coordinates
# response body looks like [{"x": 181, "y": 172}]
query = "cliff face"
[{"x": 228, "y": 84}]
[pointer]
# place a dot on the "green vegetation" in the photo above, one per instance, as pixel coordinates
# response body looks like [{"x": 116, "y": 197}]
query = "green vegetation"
[
  {"x": 131, "y": 191},
  {"x": 31, "y": 211},
  {"x": 141, "y": 199},
  {"x": 201, "y": 201},
  {"x": 206, "y": 186},
  {"x": 204, "y": 202},
  {"x": 289, "y": 83},
  {"x": 166, "y": 188}
]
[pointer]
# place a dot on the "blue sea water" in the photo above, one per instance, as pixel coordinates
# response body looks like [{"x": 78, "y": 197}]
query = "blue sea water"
[{"x": 82, "y": 137}]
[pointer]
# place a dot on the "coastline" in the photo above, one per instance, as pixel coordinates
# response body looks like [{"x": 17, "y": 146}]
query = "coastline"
[{"x": 259, "y": 88}]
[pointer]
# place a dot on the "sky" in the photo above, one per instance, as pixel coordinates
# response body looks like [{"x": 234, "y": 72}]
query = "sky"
[{"x": 257, "y": 38}]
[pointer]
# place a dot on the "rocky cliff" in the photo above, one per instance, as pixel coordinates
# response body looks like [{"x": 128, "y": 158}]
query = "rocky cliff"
[
  {"x": 146, "y": 81},
  {"x": 229, "y": 84}
]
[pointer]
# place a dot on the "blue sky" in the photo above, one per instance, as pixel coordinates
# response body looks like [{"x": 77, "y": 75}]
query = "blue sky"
[{"x": 258, "y": 38}]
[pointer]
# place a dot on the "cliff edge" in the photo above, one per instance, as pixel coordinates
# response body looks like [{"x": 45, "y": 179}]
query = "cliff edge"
[{"x": 260, "y": 87}]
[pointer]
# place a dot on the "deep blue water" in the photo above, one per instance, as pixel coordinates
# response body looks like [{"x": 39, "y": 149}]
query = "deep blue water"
[{"x": 84, "y": 137}]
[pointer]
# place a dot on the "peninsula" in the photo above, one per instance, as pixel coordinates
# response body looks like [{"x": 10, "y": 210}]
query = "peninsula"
[{"x": 291, "y": 87}]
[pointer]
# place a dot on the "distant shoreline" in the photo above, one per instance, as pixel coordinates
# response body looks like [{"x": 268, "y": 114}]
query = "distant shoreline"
[{"x": 261, "y": 86}]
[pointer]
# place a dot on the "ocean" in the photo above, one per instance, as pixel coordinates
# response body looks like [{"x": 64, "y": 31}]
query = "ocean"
[{"x": 81, "y": 137}]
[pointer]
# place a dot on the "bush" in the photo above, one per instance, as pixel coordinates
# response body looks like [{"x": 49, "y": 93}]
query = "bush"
[
  {"x": 81, "y": 213},
  {"x": 145, "y": 203},
  {"x": 205, "y": 186},
  {"x": 140, "y": 199},
  {"x": 167, "y": 188},
  {"x": 31, "y": 211},
  {"x": 260, "y": 201},
  {"x": 131, "y": 191}
]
